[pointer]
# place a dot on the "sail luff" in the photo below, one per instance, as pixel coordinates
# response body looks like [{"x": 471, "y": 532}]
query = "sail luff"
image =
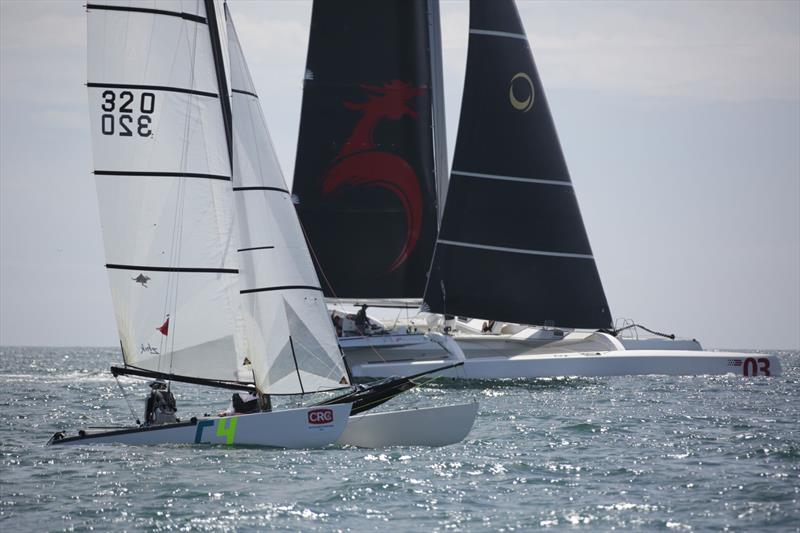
[{"x": 512, "y": 244}]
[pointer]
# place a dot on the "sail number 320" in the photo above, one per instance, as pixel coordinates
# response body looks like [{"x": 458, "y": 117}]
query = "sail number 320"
[{"x": 134, "y": 118}]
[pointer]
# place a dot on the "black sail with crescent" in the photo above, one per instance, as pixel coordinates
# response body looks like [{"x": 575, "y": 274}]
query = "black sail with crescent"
[
  {"x": 512, "y": 244},
  {"x": 364, "y": 179}
]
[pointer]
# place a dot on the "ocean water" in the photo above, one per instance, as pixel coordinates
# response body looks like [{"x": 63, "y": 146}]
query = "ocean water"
[{"x": 643, "y": 453}]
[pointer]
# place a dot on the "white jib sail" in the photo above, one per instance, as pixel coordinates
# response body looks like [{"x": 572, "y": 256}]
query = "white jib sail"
[
  {"x": 163, "y": 182},
  {"x": 290, "y": 337}
]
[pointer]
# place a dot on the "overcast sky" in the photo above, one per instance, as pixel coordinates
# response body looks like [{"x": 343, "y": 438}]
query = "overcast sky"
[{"x": 680, "y": 122}]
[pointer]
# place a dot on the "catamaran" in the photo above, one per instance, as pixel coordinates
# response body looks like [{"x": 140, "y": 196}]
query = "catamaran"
[
  {"x": 503, "y": 246},
  {"x": 211, "y": 278}
]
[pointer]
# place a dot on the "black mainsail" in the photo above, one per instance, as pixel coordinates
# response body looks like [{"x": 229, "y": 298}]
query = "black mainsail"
[
  {"x": 364, "y": 179},
  {"x": 512, "y": 245}
]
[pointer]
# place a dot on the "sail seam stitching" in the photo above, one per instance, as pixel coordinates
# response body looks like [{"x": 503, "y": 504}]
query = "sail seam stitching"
[
  {"x": 167, "y": 88},
  {"x": 151, "y": 11},
  {"x": 515, "y": 250},
  {"x": 512, "y": 178},
  {"x": 495, "y": 33}
]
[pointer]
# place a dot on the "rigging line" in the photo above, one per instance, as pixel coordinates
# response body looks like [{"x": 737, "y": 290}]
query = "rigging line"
[
  {"x": 125, "y": 396},
  {"x": 297, "y": 368},
  {"x": 660, "y": 334},
  {"x": 325, "y": 362},
  {"x": 177, "y": 247}
]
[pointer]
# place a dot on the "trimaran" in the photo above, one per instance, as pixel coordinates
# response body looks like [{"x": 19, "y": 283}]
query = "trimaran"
[
  {"x": 508, "y": 245},
  {"x": 211, "y": 278}
]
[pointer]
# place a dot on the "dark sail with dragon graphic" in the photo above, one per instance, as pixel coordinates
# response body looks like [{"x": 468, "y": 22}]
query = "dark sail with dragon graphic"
[{"x": 364, "y": 179}]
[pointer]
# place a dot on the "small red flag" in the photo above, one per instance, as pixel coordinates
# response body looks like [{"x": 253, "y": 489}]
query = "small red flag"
[{"x": 164, "y": 329}]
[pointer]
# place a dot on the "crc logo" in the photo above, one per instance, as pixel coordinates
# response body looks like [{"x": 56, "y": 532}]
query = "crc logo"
[{"x": 320, "y": 416}]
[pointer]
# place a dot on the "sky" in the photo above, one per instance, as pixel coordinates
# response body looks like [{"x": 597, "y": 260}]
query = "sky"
[{"x": 680, "y": 123}]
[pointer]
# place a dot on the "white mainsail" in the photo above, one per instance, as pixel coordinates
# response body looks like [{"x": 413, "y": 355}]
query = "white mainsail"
[
  {"x": 290, "y": 338},
  {"x": 163, "y": 182}
]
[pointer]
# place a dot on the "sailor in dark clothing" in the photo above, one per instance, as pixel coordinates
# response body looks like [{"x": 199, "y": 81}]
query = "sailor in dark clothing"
[
  {"x": 361, "y": 319},
  {"x": 160, "y": 405},
  {"x": 243, "y": 403}
]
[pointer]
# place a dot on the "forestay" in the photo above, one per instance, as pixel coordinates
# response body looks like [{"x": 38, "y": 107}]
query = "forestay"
[
  {"x": 512, "y": 245},
  {"x": 291, "y": 341},
  {"x": 163, "y": 181}
]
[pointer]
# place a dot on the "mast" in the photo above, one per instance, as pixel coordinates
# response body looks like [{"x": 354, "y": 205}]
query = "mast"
[
  {"x": 219, "y": 66},
  {"x": 512, "y": 244},
  {"x": 437, "y": 106}
]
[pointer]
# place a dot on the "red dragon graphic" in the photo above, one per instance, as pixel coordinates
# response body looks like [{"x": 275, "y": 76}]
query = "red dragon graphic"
[{"x": 361, "y": 164}]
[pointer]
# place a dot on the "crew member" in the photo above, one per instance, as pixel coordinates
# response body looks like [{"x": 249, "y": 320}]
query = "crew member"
[
  {"x": 244, "y": 403},
  {"x": 361, "y": 319},
  {"x": 160, "y": 406}
]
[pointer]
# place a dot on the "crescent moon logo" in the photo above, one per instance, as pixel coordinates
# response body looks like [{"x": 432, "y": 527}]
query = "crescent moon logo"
[{"x": 521, "y": 105}]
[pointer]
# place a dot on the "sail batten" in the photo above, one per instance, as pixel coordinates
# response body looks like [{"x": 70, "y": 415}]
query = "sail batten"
[
  {"x": 195, "y": 270},
  {"x": 172, "y": 89},
  {"x": 160, "y": 174},
  {"x": 539, "y": 181},
  {"x": 495, "y": 33},
  {"x": 150, "y": 11},
  {"x": 512, "y": 245},
  {"x": 515, "y": 250}
]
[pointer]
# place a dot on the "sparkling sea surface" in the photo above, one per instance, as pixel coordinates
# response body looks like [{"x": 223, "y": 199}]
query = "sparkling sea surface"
[{"x": 642, "y": 453}]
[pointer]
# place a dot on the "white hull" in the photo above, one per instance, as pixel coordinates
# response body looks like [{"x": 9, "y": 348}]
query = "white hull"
[
  {"x": 628, "y": 363},
  {"x": 433, "y": 426},
  {"x": 586, "y": 355},
  {"x": 312, "y": 427}
]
